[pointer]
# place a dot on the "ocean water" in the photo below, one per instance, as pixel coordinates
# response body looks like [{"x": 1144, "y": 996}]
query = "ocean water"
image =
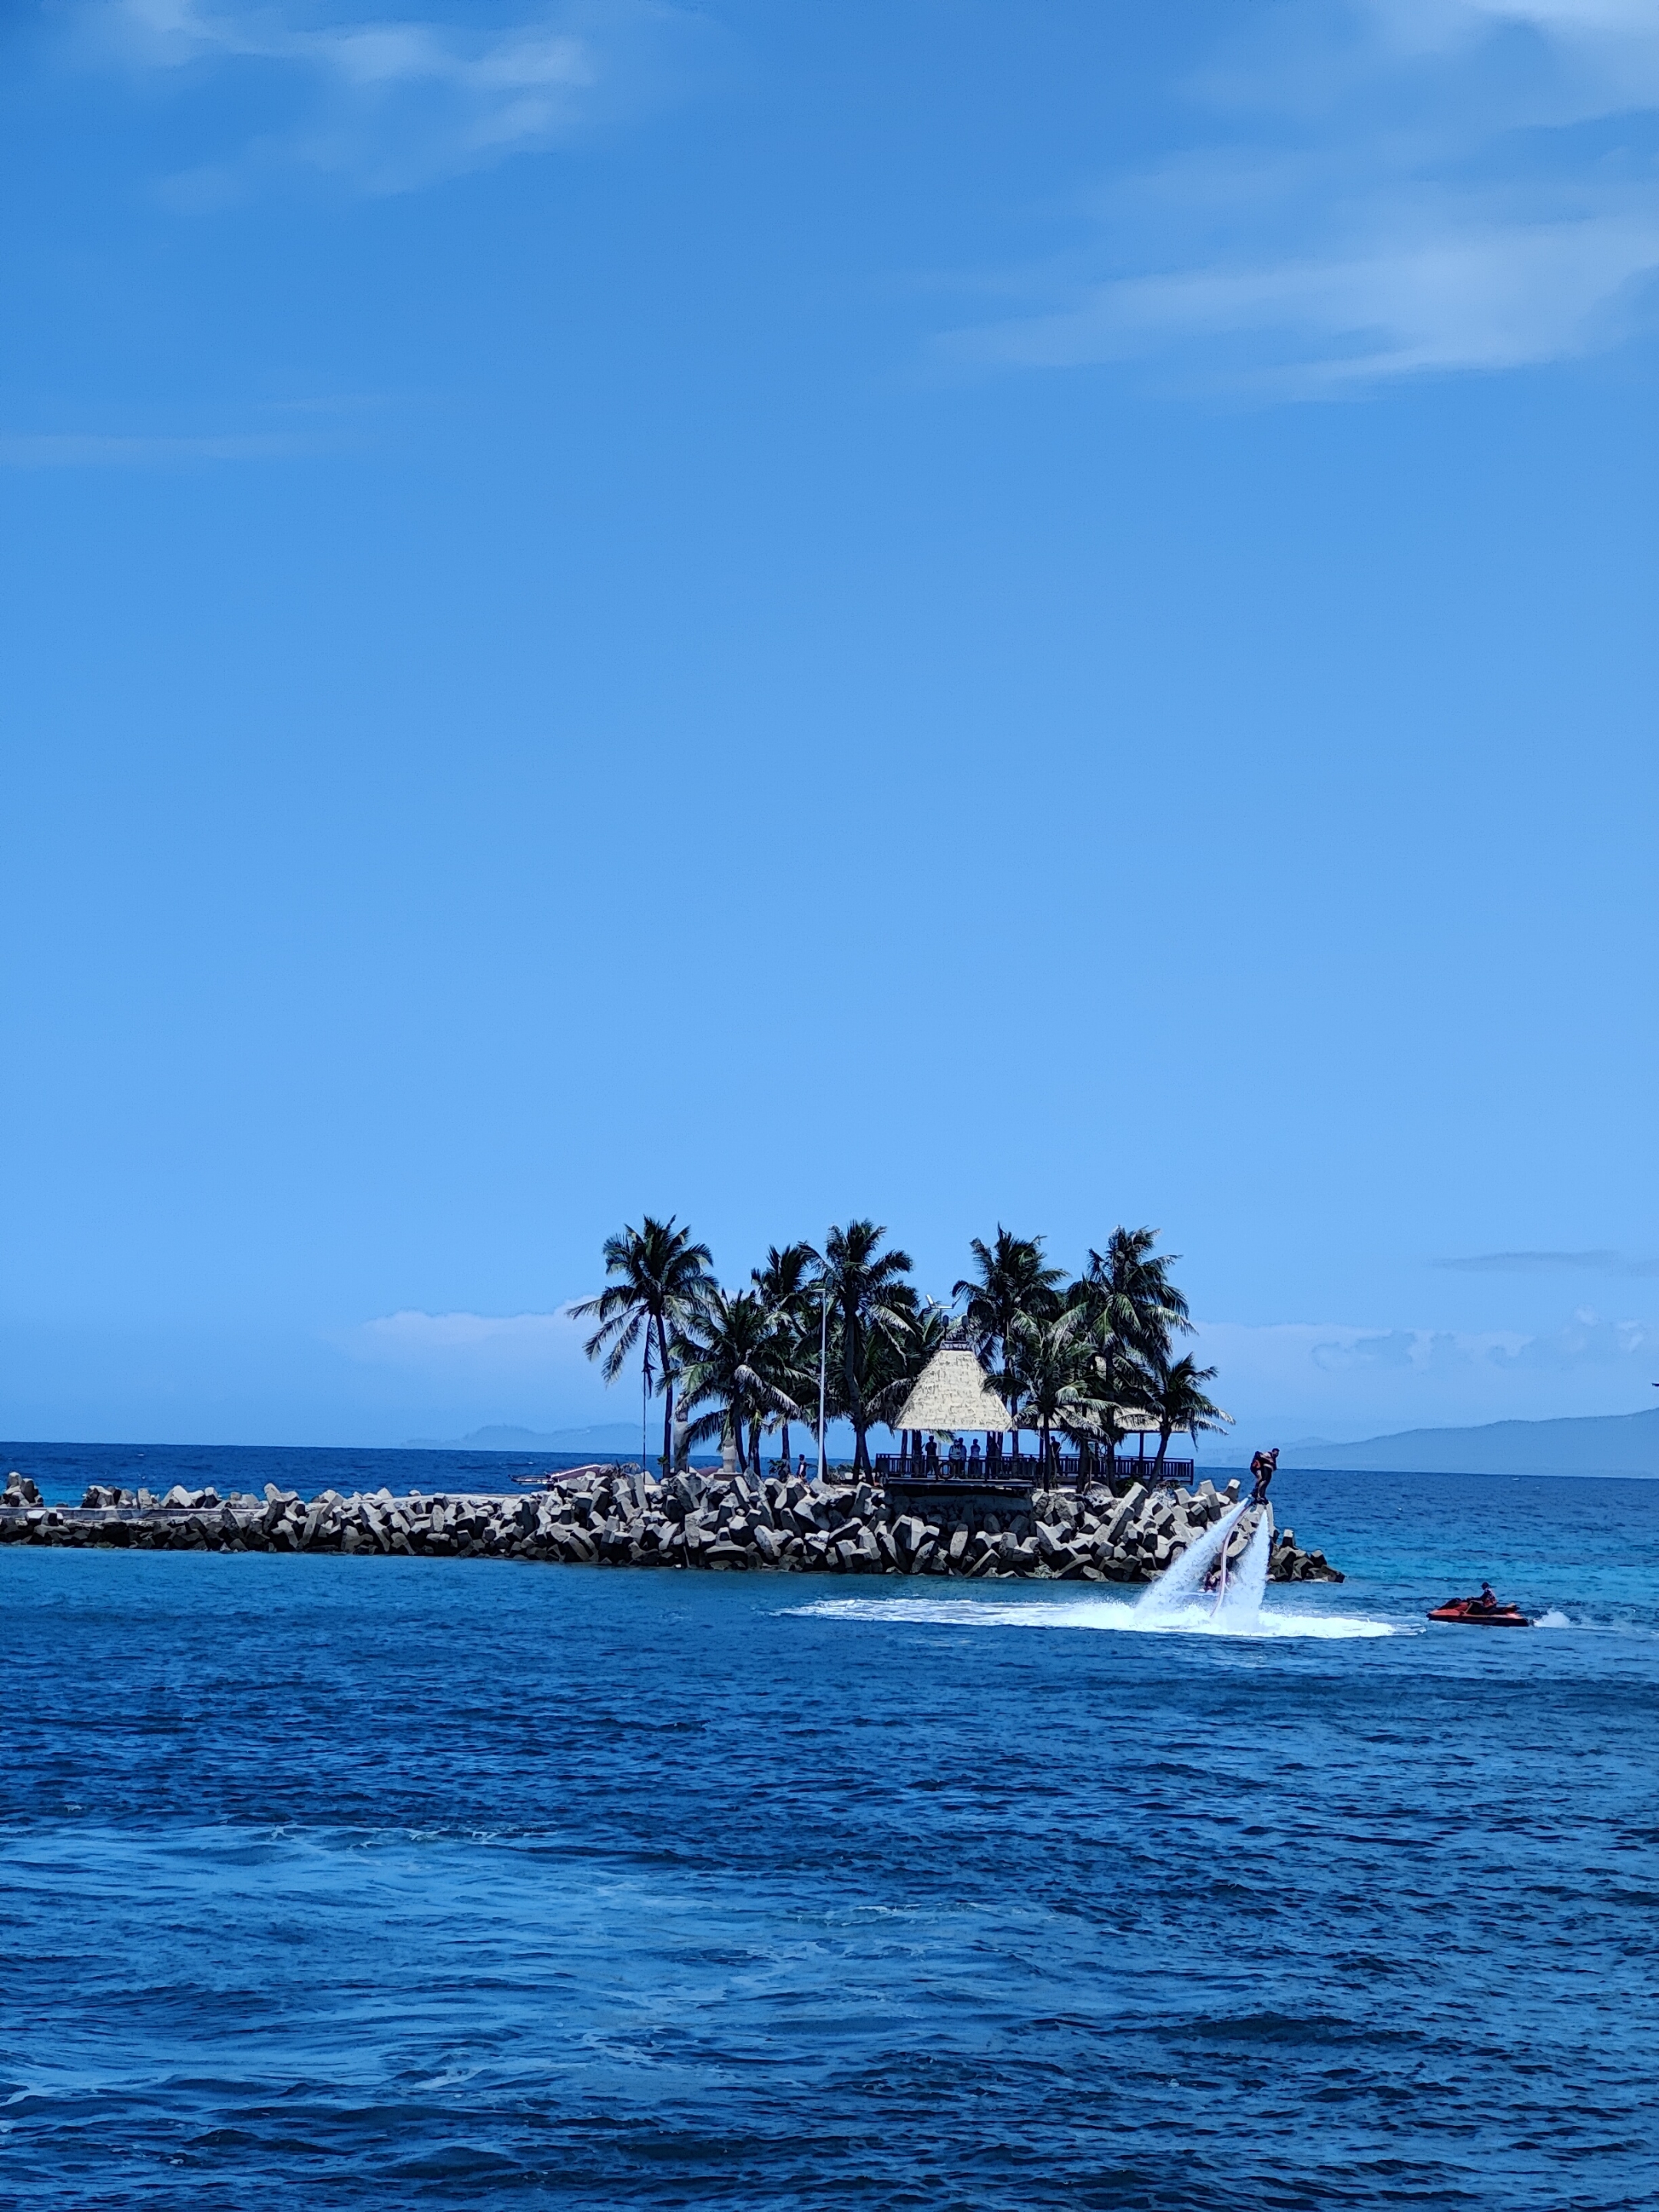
[{"x": 375, "y": 1881}]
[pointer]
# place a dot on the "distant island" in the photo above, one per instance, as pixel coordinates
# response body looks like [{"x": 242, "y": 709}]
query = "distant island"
[
  {"x": 1596, "y": 1444},
  {"x": 1602, "y": 1444}
]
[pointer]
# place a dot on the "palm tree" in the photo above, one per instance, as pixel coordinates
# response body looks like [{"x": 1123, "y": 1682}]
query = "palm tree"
[
  {"x": 729, "y": 1360},
  {"x": 1013, "y": 1284},
  {"x": 1093, "y": 1414},
  {"x": 929, "y": 1333},
  {"x": 660, "y": 1279},
  {"x": 1134, "y": 1311},
  {"x": 1120, "y": 1383},
  {"x": 1128, "y": 1291},
  {"x": 786, "y": 1287},
  {"x": 1178, "y": 1400},
  {"x": 871, "y": 1305},
  {"x": 787, "y": 1282},
  {"x": 1051, "y": 1360},
  {"x": 892, "y": 1363}
]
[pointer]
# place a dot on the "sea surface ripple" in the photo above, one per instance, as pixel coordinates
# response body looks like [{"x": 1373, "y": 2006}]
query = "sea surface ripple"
[{"x": 338, "y": 1881}]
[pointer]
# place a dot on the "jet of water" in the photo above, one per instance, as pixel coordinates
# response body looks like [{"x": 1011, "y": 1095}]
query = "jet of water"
[
  {"x": 1182, "y": 1580},
  {"x": 1241, "y": 1601}
]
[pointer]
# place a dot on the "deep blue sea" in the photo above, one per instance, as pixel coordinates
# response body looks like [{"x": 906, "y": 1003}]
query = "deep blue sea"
[{"x": 346, "y": 1881}]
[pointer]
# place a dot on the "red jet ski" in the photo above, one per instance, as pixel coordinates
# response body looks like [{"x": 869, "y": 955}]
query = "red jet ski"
[{"x": 1475, "y": 1614}]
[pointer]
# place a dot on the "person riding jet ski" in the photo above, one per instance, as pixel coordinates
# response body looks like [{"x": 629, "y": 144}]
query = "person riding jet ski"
[{"x": 1485, "y": 1611}]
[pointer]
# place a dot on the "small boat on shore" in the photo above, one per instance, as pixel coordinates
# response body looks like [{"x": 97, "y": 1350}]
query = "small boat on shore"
[
  {"x": 1472, "y": 1613},
  {"x": 574, "y": 1478}
]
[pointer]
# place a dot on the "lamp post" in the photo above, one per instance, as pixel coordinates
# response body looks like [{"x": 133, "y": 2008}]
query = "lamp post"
[{"x": 823, "y": 1365}]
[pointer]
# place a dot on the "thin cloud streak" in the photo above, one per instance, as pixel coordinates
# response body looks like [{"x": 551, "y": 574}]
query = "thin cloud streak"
[
  {"x": 1487, "y": 297},
  {"x": 1549, "y": 1263},
  {"x": 529, "y": 59},
  {"x": 395, "y": 103},
  {"x": 1431, "y": 200},
  {"x": 92, "y": 450}
]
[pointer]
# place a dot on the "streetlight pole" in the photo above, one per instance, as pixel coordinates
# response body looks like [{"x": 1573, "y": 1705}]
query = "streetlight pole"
[
  {"x": 823, "y": 1365},
  {"x": 640, "y": 1480}
]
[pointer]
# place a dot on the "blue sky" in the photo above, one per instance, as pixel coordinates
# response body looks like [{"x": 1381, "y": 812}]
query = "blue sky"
[{"x": 965, "y": 611}]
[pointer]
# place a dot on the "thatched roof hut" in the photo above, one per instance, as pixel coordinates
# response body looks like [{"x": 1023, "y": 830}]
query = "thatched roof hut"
[{"x": 951, "y": 1392}]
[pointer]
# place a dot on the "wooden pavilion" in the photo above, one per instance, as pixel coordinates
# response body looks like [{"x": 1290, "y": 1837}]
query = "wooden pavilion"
[{"x": 952, "y": 1396}]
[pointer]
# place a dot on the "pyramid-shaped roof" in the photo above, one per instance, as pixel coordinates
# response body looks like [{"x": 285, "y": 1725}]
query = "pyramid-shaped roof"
[{"x": 951, "y": 1392}]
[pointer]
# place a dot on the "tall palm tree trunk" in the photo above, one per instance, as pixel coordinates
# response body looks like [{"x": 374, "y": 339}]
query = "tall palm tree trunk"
[{"x": 667, "y": 1401}]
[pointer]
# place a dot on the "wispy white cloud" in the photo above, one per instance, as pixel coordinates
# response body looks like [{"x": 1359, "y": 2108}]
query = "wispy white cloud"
[
  {"x": 1378, "y": 189},
  {"x": 1456, "y": 295},
  {"x": 1617, "y": 39},
  {"x": 476, "y": 1342},
  {"x": 1586, "y": 1341},
  {"x": 469, "y": 1370},
  {"x": 393, "y": 102},
  {"x": 76, "y": 449}
]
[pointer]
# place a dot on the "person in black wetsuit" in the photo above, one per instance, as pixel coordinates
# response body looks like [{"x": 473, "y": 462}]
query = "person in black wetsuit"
[
  {"x": 1486, "y": 1603},
  {"x": 1263, "y": 1467}
]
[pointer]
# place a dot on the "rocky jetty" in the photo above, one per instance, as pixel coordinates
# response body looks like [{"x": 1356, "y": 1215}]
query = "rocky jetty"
[{"x": 724, "y": 1521}]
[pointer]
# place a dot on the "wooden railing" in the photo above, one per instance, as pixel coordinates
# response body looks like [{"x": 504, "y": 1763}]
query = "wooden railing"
[{"x": 1064, "y": 1468}]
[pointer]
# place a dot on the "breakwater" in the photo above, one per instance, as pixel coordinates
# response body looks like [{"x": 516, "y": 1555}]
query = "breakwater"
[{"x": 717, "y": 1521}]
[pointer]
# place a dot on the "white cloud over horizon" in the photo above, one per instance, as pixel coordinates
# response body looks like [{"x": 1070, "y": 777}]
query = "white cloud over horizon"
[
  {"x": 1366, "y": 1381},
  {"x": 1340, "y": 1378},
  {"x": 1376, "y": 189},
  {"x": 414, "y": 1338},
  {"x": 527, "y": 1368}
]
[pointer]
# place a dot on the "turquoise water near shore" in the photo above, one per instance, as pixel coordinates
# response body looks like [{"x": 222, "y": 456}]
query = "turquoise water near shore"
[{"x": 332, "y": 1881}]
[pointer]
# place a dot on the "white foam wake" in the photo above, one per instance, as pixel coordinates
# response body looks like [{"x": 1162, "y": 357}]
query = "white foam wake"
[
  {"x": 1113, "y": 1616},
  {"x": 1243, "y": 1592},
  {"x": 1182, "y": 1580}
]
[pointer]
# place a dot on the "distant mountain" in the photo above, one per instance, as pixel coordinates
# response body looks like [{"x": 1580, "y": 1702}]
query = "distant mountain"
[
  {"x": 502, "y": 1435},
  {"x": 1597, "y": 1443}
]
